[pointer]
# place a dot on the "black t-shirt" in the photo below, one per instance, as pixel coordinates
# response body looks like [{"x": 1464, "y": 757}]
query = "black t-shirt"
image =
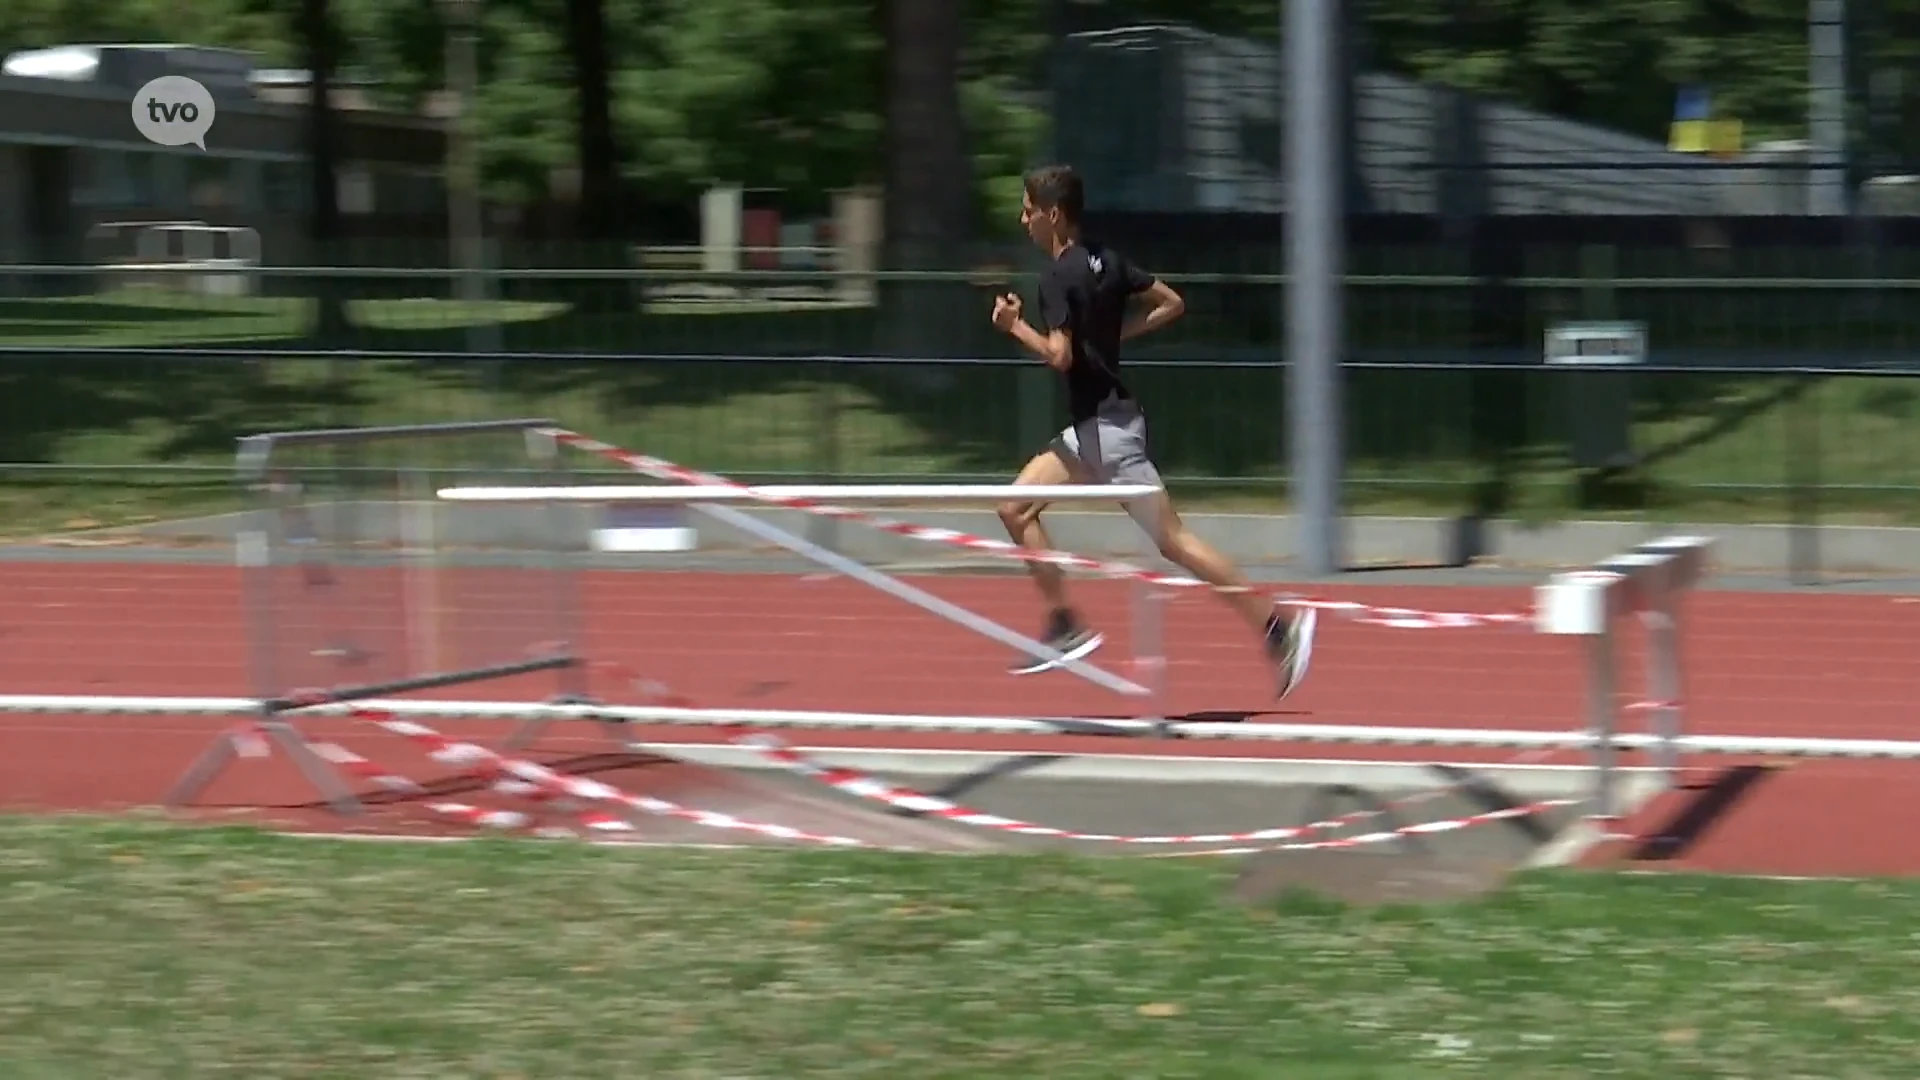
[{"x": 1086, "y": 293}]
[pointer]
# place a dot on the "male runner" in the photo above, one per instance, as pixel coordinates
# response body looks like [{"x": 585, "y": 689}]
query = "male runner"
[{"x": 1085, "y": 294}]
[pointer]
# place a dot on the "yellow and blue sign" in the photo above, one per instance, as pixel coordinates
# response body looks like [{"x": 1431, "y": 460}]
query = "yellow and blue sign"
[{"x": 1696, "y": 130}]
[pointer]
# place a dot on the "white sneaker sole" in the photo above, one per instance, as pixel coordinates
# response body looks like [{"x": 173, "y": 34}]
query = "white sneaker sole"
[
  {"x": 1295, "y": 671},
  {"x": 1079, "y": 651}
]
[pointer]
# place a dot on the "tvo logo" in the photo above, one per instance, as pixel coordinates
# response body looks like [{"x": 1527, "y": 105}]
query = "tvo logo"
[{"x": 173, "y": 110}]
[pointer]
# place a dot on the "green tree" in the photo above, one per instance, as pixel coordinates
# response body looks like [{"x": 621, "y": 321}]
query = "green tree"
[
  {"x": 1617, "y": 64},
  {"x": 791, "y": 94},
  {"x": 238, "y": 24},
  {"x": 779, "y": 95}
]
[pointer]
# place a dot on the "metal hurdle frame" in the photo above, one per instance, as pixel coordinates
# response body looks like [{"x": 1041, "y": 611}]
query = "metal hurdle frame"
[
  {"x": 257, "y": 554},
  {"x": 1649, "y": 583}
]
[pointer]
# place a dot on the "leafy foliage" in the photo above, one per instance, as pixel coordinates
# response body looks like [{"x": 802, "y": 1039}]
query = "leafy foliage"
[{"x": 785, "y": 93}]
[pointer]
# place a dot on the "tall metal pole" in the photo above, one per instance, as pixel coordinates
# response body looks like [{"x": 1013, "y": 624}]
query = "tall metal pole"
[
  {"x": 465, "y": 228},
  {"x": 1315, "y": 238},
  {"x": 1827, "y": 105}
]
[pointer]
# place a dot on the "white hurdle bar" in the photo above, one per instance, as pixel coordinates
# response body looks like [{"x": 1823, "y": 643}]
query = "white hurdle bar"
[
  {"x": 1650, "y": 583},
  {"x": 803, "y": 720},
  {"x": 714, "y": 500},
  {"x": 684, "y": 494}
]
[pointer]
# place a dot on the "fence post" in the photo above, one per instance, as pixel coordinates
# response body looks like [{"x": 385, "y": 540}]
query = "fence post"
[{"x": 1803, "y": 483}]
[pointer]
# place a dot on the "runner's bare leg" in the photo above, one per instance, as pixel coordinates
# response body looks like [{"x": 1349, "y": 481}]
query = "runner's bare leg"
[
  {"x": 1022, "y": 521},
  {"x": 1182, "y": 547}
]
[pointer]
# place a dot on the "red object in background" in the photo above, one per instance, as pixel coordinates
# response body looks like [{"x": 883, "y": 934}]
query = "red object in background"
[{"x": 760, "y": 229}]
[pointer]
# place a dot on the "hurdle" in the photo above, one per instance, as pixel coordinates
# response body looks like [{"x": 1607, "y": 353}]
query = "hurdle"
[
  {"x": 354, "y": 590},
  {"x": 1650, "y": 584}
]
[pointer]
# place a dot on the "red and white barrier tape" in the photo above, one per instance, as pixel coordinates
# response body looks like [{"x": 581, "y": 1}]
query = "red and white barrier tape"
[
  {"x": 660, "y": 469},
  {"x": 252, "y": 743},
  {"x": 514, "y": 820},
  {"x": 863, "y": 786},
  {"x": 449, "y": 751},
  {"x": 480, "y": 818},
  {"x": 548, "y": 798},
  {"x": 1427, "y": 828},
  {"x": 542, "y": 785}
]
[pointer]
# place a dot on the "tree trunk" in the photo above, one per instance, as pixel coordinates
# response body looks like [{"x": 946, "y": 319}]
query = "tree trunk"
[
  {"x": 929, "y": 205},
  {"x": 599, "y": 217},
  {"x": 599, "y": 225}
]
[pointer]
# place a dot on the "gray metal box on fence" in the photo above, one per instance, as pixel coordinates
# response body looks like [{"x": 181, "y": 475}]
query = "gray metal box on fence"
[{"x": 1598, "y": 390}]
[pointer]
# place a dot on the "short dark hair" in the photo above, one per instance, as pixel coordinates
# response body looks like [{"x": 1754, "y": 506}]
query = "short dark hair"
[{"x": 1057, "y": 186}]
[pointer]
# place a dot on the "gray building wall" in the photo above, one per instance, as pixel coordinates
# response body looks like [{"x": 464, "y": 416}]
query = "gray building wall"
[{"x": 1171, "y": 119}]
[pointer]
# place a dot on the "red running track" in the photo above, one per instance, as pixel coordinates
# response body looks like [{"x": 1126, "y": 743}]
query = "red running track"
[{"x": 1833, "y": 665}]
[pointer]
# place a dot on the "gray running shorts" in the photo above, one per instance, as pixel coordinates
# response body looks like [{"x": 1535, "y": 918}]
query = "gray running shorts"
[{"x": 1111, "y": 448}]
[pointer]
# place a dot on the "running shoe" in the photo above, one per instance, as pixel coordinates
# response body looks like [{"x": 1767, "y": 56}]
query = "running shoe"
[
  {"x": 1064, "y": 635},
  {"x": 1289, "y": 644}
]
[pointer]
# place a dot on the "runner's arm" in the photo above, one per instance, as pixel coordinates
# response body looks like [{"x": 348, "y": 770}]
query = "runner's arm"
[
  {"x": 1054, "y": 347},
  {"x": 1167, "y": 305}
]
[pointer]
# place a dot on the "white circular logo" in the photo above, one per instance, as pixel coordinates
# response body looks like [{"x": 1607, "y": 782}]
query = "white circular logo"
[{"x": 173, "y": 110}]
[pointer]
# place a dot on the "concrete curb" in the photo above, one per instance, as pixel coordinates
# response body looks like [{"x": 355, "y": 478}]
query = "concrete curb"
[{"x": 1262, "y": 539}]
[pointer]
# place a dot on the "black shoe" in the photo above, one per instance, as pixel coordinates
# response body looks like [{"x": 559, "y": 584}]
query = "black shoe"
[
  {"x": 1289, "y": 644},
  {"x": 1065, "y": 636}
]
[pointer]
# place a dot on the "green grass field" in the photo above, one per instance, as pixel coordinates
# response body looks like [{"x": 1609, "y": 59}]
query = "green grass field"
[
  {"x": 143, "y": 950},
  {"x": 1724, "y": 449}
]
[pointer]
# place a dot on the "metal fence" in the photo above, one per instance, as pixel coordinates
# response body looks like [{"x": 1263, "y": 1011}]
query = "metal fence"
[
  {"x": 1766, "y": 398},
  {"x": 1839, "y": 308},
  {"x": 1769, "y": 291}
]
